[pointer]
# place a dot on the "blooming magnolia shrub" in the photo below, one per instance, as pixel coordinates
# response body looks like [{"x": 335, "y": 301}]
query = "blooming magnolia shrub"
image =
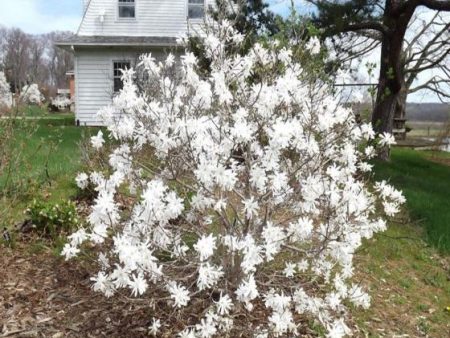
[
  {"x": 30, "y": 94},
  {"x": 250, "y": 195},
  {"x": 61, "y": 102},
  {"x": 5, "y": 92}
]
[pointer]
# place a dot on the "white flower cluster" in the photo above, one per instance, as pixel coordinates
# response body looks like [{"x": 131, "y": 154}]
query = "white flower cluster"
[
  {"x": 61, "y": 102},
  {"x": 313, "y": 45},
  {"x": 30, "y": 94},
  {"x": 5, "y": 92},
  {"x": 249, "y": 191}
]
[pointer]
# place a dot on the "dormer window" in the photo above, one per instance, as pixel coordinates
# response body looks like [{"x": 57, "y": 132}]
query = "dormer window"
[
  {"x": 196, "y": 9},
  {"x": 127, "y": 9}
]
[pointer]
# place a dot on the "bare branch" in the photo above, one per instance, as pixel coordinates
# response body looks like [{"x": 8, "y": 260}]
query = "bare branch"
[{"x": 436, "y": 4}]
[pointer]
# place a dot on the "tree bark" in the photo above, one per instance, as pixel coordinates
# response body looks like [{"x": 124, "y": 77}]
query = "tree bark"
[
  {"x": 400, "y": 108},
  {"x": 392, "y": 80}
]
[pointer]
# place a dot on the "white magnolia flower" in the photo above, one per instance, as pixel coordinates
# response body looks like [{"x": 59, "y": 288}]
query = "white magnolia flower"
[
  {"x": 170, "y": 60},
  {"x": 205, "y": 246},
  {"x": 370, "y": 152},
  {"x": 6, "y": 98},
  {"x": 82, "y": 180},
  {"x": 138, "y": 285},
  {"x": 247, "y": 290},
  {"x": 97, "y": 141},
  {"x": 253, "y": 254},
  {"x": 153, "y": 329},
  {"x": 302, "y": 229},
  {"x": 359, "y": 297},
  {"x": 338, "y": 329},
  {"x": 313, "y": 45},
  {"x": 274, "y": 237},
  {"x": 102, "y": 284},
  {"x": 224, "y": 305},
  {"x": 77, "y": 238},
  {"x": 283, "y": 323},
  {"x": 250, "y": 207},
  {"x": 69, "y": 251},
  {"x": 333, "y": 300},
  {"x": 208, "y": 276},
  {"x": 30, "y": 94},
  {"x": 367, "y": 131},
  {"x": 303, "y": 265},
  {"x": 387, "y": 139},
  {"x": 179, "y": 294},
  {"x": 289, "y": 270},
  {"x": 208, "y": 326},
  {"x": 365, "y": 167}
]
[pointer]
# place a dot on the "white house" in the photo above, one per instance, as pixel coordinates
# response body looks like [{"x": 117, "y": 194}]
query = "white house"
[{"x": 112, "y": 35}]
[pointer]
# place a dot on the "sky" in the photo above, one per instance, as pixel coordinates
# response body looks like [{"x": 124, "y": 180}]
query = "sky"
[{"x": 43, "y": 16}]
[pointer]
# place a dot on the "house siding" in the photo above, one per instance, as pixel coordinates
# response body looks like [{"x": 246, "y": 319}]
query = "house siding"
[
  {"x": 167, "y": 18},
  {"x": 94, "y": 65},
  {"x": 94, "y": 79}
]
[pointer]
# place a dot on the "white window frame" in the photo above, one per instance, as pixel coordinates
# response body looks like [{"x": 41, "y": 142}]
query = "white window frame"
[
  {"x": 125, "y": 4},
  {"x": 202, "y": 5}
]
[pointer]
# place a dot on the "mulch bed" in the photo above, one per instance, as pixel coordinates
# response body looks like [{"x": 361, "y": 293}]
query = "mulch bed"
[{"x": 43, "y": 296}]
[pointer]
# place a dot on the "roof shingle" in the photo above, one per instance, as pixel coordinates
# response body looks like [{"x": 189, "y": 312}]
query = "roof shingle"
[{"x": 155, "y": 41}]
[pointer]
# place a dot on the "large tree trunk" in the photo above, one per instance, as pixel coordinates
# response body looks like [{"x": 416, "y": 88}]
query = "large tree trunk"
[
  {"x": 391, "y": 82},
  {"x": 389, "y": 87},
  {"x": 400, "y": 108}
]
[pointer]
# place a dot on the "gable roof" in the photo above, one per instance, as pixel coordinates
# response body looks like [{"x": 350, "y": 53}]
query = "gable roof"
[{"x": 84, "y": 13}]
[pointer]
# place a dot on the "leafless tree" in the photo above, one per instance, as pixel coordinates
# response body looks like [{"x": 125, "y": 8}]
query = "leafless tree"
[
  {"x": 27, "y": 59},
  {"x": 428, "y": 49},
  {"x": 16, "y": 57},
  {"x": 3, "y": 33},
  {"x": 59, "y": 61},
  {"x": 391, "y": 20},
  {"x": 37, "y": 72}
]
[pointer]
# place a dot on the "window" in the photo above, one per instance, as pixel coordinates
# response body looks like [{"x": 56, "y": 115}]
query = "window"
[
  {"x": 196, "y": 9},
  {"x": 118, "y": 67},
  {"x": 127, "y": 9}
]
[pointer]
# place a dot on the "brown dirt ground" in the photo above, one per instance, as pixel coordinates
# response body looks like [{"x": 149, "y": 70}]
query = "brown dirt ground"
[
  {"x": 43, "y": 296},
  {"x": 440, "y": 160}
]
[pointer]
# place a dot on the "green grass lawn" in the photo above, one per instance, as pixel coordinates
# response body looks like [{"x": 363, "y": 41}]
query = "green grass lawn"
[
  {"x": 407, "y": 267},
  {"x": 35, "y": 111},
  {"x": 408, "y": 282},
  {"x": 426, "y": 186},
  {"x": 54, "y": 154},
  {"x": 50, "y": 159}
]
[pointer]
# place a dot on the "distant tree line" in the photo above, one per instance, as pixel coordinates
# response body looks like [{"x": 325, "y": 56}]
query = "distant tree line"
[{"x": 27, "y": 58}]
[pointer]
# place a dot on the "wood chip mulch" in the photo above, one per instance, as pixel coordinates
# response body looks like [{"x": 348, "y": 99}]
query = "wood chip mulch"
[{"x": 43, "y": 296}]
